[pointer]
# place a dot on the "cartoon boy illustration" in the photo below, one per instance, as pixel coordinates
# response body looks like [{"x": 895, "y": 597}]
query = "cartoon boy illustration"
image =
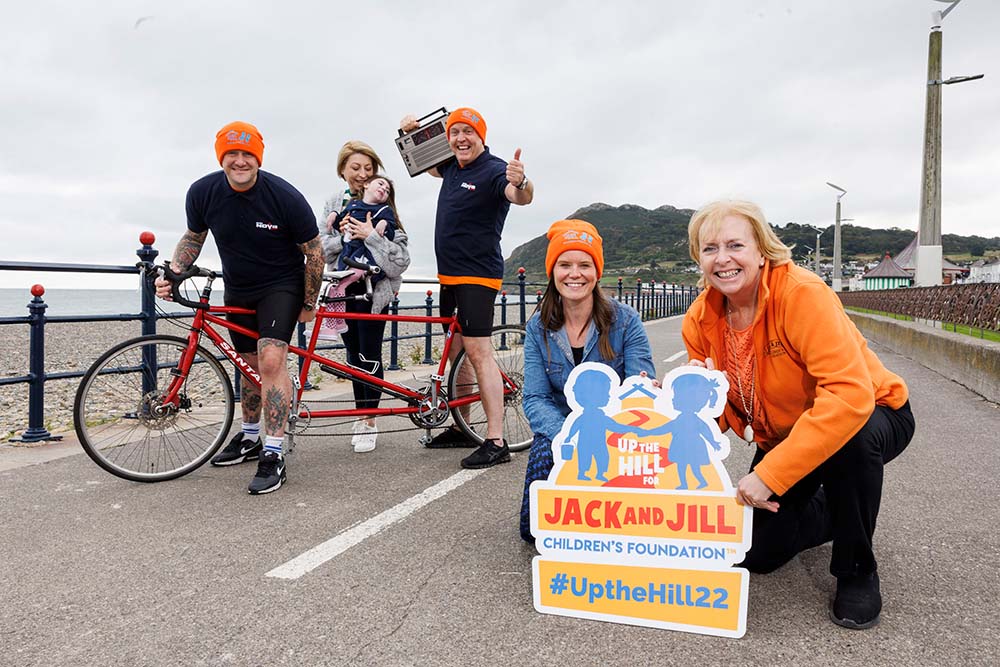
[{"x": 593, "y": 391}]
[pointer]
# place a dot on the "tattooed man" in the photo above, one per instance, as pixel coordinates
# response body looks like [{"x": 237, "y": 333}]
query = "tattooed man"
[{"x": 263, "y": 227}]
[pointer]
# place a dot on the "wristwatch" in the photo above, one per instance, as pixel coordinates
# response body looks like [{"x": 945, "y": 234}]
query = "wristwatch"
[
  {"x": 308, "y": 307},
  {"x": 524, "y": 183}
]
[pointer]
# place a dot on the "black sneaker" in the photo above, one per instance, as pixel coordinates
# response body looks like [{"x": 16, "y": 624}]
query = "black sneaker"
[
  {"x": 489, "y": 454},
  {"x": 270, "y": 474},
  {"x": 237, "y": 451},
  {"x": 450, "y": 438},
  {"x": 858, "y": 602}
]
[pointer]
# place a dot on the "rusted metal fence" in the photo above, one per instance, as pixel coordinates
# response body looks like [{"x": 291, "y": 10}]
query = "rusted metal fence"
[{"x": 976, "y": 306}]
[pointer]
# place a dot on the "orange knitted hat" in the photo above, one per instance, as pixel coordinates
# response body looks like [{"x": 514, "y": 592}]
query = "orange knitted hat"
[
  {"x": 468, "y": 116},
  {"x": 574, "y": 235},
  {"x": 239, "y": 136}
]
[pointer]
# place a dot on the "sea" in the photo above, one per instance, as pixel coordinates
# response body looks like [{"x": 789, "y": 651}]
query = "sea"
[{"x": 14, "y": 301}]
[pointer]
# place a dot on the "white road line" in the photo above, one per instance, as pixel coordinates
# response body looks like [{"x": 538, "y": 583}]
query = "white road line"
[
  {"x": 338, "y": 544},
  {"x": 674, "y": 357}
]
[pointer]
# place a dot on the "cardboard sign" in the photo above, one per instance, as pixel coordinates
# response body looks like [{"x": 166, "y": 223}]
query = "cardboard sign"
[{"x": 638, "y": 522}]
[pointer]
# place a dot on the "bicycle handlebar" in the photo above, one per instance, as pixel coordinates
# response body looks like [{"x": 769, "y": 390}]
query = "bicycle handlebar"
[
  {"x": 370, "y": 269},
  {"x": 164, "y": 271}
]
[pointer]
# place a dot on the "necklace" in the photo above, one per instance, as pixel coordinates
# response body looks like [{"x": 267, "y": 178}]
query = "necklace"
[{"x": 747, "y": 352}]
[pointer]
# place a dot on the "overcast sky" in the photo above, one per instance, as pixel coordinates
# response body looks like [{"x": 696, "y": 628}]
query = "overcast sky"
[{"x": 107, "y": 119}]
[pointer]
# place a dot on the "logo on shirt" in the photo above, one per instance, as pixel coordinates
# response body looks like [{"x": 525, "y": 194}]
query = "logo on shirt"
[
  {"x": 775, "y": 348},
  {"x": 270, "y": 226},
  {"x": 469, "y": 186}
]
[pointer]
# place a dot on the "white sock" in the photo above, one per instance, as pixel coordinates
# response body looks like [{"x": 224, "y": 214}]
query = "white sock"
[
  {"x": 251, "y": 431},
  {"x": 273, "y": 444}
]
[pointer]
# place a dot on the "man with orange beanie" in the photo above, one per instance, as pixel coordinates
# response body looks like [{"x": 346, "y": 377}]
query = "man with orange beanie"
[
  {"x": 477, "y": 190},
  {"x": 262, "y": 227}
]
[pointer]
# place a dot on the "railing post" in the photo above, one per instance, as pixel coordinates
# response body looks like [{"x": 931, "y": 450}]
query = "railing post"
[
  {"x": 36, "y": 430},
  {"x": 428, "y": 359},
  {"x": 538, "y": 297},
  {"x": 503, "y": 319},
  {"x": 520, "y": 290},
  {"x": 147, "y": 253},
  {"x": 394, "y": 334},
  {"x": 653, "y": 305},
  {"x": 619, "y": 288},
  {"x": 638, "y": 298}
]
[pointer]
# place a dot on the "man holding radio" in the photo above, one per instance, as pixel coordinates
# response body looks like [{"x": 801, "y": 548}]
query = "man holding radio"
[{"x": 477, "y": 190}]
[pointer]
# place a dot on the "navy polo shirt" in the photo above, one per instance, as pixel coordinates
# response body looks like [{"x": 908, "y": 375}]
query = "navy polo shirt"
[
  {"x": 471, "y": 211},
  {"x": 258, "y": 232}
]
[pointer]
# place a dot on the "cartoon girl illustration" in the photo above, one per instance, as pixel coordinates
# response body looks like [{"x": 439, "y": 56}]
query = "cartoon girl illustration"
[
  {"x": 593, "y": 391},
  {"x": 690, "y": 435}
]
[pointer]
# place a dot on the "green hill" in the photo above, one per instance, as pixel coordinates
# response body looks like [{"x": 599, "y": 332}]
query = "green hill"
[{"x": 652, "y": 244}]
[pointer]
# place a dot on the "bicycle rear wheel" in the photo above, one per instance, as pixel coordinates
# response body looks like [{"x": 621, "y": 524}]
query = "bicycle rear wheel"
[
  {"x": 508, "y": 350},
  {"x": 123, "y": 424}
]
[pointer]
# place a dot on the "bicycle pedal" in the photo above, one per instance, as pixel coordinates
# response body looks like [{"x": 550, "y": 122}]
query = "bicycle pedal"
[{"x": 426, "y": 438}]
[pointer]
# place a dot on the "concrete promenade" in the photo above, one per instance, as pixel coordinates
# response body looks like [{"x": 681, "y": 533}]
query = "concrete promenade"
[{"x": 100, "y": 571}]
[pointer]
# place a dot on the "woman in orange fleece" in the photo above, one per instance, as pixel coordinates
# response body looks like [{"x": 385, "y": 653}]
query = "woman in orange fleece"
[{"x": 823, "y": 411}]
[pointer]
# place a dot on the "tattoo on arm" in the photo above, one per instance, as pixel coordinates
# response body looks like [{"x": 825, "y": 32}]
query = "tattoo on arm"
[
  {"x": 313, "y": 251},
  {"x": 188, "y": 249}
]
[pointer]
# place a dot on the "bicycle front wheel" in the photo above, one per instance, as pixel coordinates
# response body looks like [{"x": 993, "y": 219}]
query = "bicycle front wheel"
[
  {"x": 508, "y": 349},
  {"x": 127, "y": 429}
]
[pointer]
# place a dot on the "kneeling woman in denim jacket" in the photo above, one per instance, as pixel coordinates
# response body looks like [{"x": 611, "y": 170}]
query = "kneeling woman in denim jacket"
[{"x": 575, "y": 322}]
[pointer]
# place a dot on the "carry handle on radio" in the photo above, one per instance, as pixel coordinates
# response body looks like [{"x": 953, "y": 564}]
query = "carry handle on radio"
[{"x": 443, "y": 111}]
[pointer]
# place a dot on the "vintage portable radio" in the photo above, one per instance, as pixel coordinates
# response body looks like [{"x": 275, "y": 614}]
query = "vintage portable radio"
[{"x": 427, "y": 146}]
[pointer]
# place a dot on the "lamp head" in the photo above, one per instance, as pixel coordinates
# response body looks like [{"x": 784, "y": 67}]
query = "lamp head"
[{"x": 839, "y": 189}]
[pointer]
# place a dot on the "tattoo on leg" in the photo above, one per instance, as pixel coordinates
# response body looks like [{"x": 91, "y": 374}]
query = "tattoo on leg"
[
  {"x": 271, "y": 342},
  {"x": 249, "y": 400},
  {"x": 275, "y": 411}
]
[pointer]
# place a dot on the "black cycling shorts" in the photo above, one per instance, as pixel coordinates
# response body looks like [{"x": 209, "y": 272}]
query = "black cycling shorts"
[
  {"x": 475, "y": 308},
  {"x": 277, "y": 314}
]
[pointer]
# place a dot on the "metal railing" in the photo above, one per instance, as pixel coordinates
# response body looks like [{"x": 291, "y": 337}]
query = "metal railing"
[
  {"x": 976, "y": 306},
  {"x": 652, "y": 301}
]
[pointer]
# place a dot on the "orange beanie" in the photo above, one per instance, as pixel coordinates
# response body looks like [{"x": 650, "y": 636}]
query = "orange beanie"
[
  {"x": 574, "y": 235},
  {"x": 468, "y": 116},
  {"x": 239, "y": 136}
]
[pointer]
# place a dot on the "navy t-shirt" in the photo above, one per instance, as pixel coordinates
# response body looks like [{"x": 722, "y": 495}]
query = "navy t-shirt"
[
  {"x": 258, "y": 232},
  {"x": 471, "y": 210}
]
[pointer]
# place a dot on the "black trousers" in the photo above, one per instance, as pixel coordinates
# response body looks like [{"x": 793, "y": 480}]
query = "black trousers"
[
  {"x": 363, "y": 344},
  {"x": 837, "y": 501}
]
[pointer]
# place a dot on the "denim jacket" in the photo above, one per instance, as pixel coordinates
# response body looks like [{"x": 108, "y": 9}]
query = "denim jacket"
[{"x": 546, "y": 371}]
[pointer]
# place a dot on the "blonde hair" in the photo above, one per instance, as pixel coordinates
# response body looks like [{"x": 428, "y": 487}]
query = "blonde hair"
[
  {"x": 711, "y": 215},
  {"x": 355, "y": 146}
]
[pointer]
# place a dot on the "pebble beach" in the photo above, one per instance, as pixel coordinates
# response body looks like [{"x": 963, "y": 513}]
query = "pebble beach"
[{"x": 74, "y": 346}]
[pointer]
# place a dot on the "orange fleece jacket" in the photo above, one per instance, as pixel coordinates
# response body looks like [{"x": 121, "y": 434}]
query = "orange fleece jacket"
[{"x": 816, "y": 379}]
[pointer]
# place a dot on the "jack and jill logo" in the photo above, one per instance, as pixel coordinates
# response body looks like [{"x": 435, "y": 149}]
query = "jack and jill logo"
[{"x": 638, "y": 522}]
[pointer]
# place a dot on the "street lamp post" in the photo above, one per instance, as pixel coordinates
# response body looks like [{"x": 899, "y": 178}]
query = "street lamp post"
[
  {"x": 819, "y": 233},
  {"x": 929, "y": 249},
  {"x": 837, "y": 282}
]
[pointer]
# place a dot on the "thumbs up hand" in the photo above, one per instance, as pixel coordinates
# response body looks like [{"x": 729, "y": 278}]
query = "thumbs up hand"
[{"x": 515, "y": 170}]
